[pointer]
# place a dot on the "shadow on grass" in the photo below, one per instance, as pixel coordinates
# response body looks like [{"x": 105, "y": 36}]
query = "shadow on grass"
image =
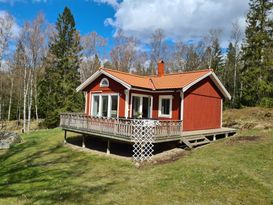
[
  {"x": 117, "y": 148},
  {"x": 37, "y": 172}
]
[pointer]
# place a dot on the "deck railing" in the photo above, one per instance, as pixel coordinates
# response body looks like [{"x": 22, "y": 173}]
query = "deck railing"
[{"x": 118, "y": 127}]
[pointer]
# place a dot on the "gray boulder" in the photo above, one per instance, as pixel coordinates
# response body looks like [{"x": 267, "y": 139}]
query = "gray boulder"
[{"x": 8, "y": 138}]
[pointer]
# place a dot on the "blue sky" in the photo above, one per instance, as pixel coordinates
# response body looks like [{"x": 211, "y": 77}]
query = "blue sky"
[
  {"x": 89, "y": 15},
  {"x": 181, "y": 20}
]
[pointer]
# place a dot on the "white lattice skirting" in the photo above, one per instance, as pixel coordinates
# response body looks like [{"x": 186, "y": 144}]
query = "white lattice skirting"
[{"x": 143, "y": 138}]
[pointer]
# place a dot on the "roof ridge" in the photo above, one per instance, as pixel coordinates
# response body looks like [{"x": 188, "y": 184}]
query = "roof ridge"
[
  {"x": 186, "y": 72},
  {"x": 118, "y": 71},
  {"x": 155, "y": 76}
]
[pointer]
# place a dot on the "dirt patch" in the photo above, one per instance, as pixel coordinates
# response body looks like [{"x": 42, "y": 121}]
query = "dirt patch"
[
  {"x": 169, "y": 156},
  {"x": 248, "y": 126},
  {"x": 243, "y": 139},
  {"x": 247, "y": 138}
]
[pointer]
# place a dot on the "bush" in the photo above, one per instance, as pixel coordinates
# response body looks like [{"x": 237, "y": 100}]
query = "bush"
[{"x": 267, "y": 102}]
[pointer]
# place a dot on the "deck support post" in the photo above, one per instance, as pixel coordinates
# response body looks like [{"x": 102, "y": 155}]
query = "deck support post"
[
  {"x": 108, "y": 147},
  {"x": 214, "y": 137},
  {"x": 65, "y": 137},
  {"x": 83, "y": 141},
  {"x": 226, "y": 135}
]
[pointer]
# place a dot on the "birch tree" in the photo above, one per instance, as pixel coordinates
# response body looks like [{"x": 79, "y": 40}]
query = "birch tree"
[
  {"x": 124, "y": 51},
  {"x": 236, "y": 37},
  {"x": 93, "y": 48},
  {"x": 34, "y": 44},
  {"x": 158, "y": 48},
  {"x": 6, "y": 23}
]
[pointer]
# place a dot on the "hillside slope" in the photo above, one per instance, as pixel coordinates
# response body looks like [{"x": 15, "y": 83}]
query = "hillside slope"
[{"x": 237, "y": 170}]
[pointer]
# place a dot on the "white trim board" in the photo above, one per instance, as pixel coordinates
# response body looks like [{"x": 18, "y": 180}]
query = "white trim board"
[{"x": 182, "y": 106}]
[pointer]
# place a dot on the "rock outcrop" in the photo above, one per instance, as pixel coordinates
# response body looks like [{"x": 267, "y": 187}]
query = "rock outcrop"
[{"x": 8, "y": 138}]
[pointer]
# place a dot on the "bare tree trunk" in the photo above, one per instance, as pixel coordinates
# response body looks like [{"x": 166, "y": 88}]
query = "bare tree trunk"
[
  {"x": 19, "y": 109},
  {"x": 10, "y": 98},
  {"x": 234, "y": 82},
  {"x": 0, "y": 108},
  {"x": 1, "y": 88},
  {"x": 30, "y": 101},
  {"x": 25, "y": 100},
  {"x": 36, "y": 99}
]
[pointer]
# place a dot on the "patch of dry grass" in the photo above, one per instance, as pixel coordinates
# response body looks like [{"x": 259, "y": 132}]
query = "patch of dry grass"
[
  {"x": 14, "y": 126},
  {"x": 248, "y": 118}
]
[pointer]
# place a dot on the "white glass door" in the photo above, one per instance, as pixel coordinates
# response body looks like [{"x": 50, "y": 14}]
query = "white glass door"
[{"x": 141, "y": 107}]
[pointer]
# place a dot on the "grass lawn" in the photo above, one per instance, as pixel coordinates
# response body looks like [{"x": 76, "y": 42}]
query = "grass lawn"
[{"x": 41, "y": 170}]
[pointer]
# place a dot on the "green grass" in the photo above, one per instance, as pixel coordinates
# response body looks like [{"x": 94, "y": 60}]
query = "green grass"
[{"x": 41, "y": 170}]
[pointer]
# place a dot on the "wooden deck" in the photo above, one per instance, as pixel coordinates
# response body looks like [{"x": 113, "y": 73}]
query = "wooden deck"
[
  {"x": 122, "y": 129},
  {"x": 211, "y": 132},
  {"x": 119, "y": 129}
]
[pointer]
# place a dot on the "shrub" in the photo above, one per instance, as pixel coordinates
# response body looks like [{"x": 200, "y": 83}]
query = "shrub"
[{"x": 267, "y": 102}]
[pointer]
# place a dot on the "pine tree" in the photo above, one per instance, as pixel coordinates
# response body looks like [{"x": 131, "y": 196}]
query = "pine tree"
[
  {"x": 229, "y": 70},
  {"x": 217, "y": 58},
  {"x": 61, "y": 76},
  {"x": 257, "y": 53}
]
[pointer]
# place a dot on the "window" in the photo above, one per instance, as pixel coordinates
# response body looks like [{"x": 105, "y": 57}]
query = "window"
[
  {"x": 114, "y": 106},
  {"x": 104, "y": 83},
  {"x": 105, "y": 105},
  {"x": 96, "y": 103},
  {"x": 165, "y": 106}
]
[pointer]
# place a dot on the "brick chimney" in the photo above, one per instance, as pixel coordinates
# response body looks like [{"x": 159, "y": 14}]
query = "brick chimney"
[{"x": 160, "y": 68}]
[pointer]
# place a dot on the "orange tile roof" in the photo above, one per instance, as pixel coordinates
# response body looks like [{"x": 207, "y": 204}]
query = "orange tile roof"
[{"x": 168, "y": 81}]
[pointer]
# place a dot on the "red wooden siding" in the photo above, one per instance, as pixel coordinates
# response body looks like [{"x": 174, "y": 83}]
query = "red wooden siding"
[
  {"x": 114, "y": 87},
  {"x": 202, "y": 106}
]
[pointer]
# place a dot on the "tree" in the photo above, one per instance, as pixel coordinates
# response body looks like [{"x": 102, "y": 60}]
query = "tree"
[
  {"x": 124, "y": 51},
  {"x": 158, "y": 49},
  {"x": 89, "y": 66},
  {"x": 6, "y": 23},
  {"x": 20, "y": 79},
  {"x": 235, "y": 56},
  {"x": 257, "y": 54},
  {"x": 34, "y": 38},
  {"x": 93, "y": 44},
  {"x": 213, "y": 51},
  {"x": 61, "y": 77}
]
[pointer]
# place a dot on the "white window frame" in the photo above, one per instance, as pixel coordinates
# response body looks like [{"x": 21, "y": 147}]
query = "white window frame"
[
  {"x": 141, "y": 103},
  {"x": 170, "y": 97},
  {"x": 109, "y": 104},
  {"x": 102, "y": 84}
]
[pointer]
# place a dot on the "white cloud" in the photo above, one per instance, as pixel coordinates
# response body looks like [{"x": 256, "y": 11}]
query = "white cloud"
[
  {"x": 180, "y": 19},
  {"x": 113, "y": 3}
]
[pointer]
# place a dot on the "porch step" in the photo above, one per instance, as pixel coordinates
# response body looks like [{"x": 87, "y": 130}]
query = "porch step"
[{"x": 194, "y": 141}]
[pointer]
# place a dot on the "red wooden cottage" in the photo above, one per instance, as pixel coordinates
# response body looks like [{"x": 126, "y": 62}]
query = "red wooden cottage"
[
  {"x": 180, "y": 103},
  {"x": 195, "y": 97}
]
